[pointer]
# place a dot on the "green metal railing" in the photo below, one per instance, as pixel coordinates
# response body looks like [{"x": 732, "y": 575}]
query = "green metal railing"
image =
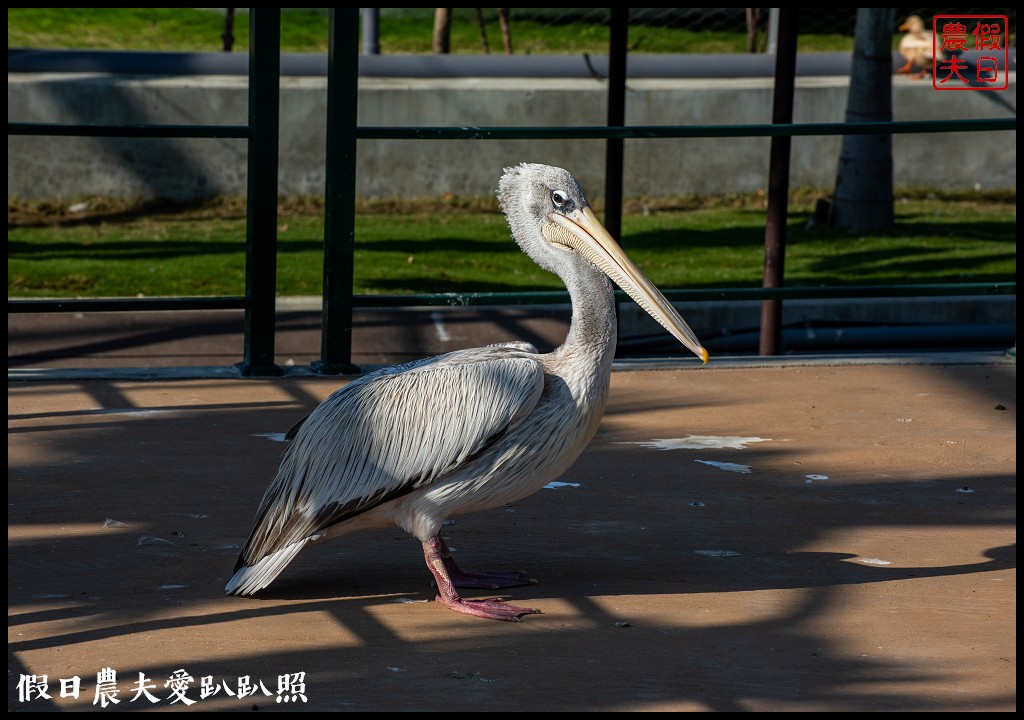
[
  {"x": 339, "y": 239},
  {"x": 261, "y": 134},
  {"x": 336, "y": 348},
  {"x": 687, "y": 131}
]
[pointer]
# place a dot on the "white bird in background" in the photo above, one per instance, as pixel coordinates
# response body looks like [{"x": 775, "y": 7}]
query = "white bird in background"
[
  {"x": 916, "y": 47},
  {"x": 415, "y": 444}
]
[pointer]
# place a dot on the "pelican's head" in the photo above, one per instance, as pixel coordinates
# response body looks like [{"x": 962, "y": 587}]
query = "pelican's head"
[{"x": 552, "y": 221}]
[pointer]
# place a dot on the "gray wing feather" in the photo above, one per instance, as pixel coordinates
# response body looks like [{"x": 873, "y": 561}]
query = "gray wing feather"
[{"x": 392, "y": 432}]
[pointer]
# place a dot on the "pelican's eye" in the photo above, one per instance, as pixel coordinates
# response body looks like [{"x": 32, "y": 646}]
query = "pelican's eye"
[{"x": 559, "y": 198}]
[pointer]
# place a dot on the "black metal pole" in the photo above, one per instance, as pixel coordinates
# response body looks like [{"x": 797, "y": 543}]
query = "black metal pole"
[
  {"x": 340, "y": 193},
  {"x": 778, "y": 183},
  {"x": 228, "y": 37},
  {"x": 261, "y": 207},
  {"x": 614, "y": 147}
]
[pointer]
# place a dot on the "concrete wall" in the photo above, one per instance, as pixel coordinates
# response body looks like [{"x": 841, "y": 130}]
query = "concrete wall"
[{"x": 67, "y": 168}]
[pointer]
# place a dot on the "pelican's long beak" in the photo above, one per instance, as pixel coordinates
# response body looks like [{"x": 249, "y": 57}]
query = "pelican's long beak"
[
  {"x": 583, "y": 232},
  {"x": 904, "y": 26}
]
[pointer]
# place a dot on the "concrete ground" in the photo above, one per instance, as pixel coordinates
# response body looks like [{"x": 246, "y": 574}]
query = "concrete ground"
[
  {"x": 822, "y": 533},
  {"x": 215, "y": 338}
]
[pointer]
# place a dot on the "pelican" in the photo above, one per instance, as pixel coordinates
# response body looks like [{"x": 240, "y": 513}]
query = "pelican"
[
  {"x": 916, "y": 46},
  {"x": 415, "y": 444}
]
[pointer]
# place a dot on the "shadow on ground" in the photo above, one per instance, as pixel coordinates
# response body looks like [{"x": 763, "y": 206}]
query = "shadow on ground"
[{"x": 843, "y": 539}]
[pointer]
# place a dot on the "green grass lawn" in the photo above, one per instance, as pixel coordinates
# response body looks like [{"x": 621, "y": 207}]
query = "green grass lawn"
[
  {"x": 534, "y": 31},
  {"x": 109, "y": 251},
  {"x": 402, "y": 30},
  {"x": 422, "y": 248}
]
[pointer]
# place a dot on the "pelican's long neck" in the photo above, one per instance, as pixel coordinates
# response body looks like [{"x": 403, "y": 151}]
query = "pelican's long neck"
[{"x": 589, "y": 347}]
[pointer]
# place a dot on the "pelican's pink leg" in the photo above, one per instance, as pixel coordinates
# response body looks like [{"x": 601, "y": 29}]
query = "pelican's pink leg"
[
  {"x": 439, "y": 560},
  {"x": 491, "y": 580}
]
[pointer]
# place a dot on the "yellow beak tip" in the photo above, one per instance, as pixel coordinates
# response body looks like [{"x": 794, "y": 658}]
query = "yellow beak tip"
[{"x": 704, "y": 355}]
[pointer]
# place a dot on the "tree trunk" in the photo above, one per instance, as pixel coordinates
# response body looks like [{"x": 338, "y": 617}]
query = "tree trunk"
[
  {"x": 753, "y": 16},
  {"x": 442, "y": 30},
  {"x": 863, "y": 197},
  {"x": 506, "y": 30},
  {"x": 483, "y": 30}
]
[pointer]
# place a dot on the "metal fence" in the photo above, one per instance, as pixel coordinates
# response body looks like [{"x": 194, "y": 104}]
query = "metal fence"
[
  {"x": 546, "y": 30},
  {"x": 261, "y": 133},
  {"x": 651, "y": 30},
  {"x": 344, "y": 131}
]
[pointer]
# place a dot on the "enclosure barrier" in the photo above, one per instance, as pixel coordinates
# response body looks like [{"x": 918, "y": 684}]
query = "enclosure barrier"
[{"x": 338, "y": 300}]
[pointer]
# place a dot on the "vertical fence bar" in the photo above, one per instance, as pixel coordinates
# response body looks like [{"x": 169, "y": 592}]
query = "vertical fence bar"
[
  {"x": 614, "y": 147},
  {"x": 261, "y": 206},
  {"x": 340, "y": 210},
  {"x": 778, "y": 184}
]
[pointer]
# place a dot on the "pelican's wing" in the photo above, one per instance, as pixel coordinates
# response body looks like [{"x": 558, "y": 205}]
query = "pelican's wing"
[{"x": 389, "y": 433}]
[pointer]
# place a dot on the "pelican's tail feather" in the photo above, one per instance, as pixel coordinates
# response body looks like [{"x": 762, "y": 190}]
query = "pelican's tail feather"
[{"x": 249, "y": 579}]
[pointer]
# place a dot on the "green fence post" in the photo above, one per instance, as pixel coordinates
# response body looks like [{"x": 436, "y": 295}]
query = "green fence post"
[
  {"x": 615, "y": 147},
  {"x": 770, "y": 341},
  {"x": 340, "y": 211},
  {"x": 261, "y": 206}
]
